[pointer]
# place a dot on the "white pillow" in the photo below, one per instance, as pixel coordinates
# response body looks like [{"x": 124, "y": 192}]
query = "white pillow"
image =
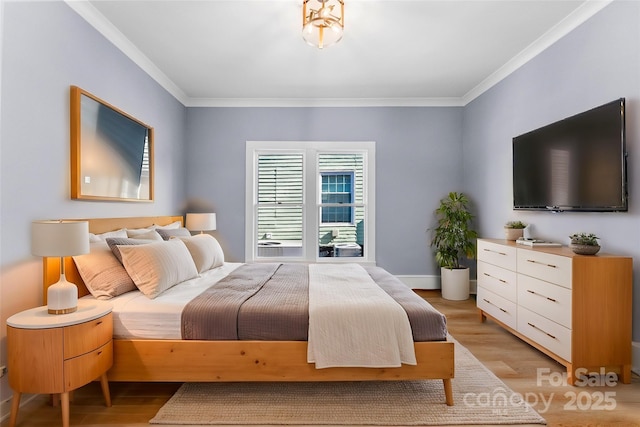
[
  {"x": 144, "y": 233},
  {"x": 95, "y": 238},
  {"x": 102, "y": 273},
  {"x": 175, "y": 224},
  {"x": 205, "y": 251},
  {"x": 158, "y": 266}
]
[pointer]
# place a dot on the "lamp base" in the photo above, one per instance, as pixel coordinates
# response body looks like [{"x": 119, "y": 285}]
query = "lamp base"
[
  {"x": 62, "y": 297},
  {"x": 63, "y": 311}
]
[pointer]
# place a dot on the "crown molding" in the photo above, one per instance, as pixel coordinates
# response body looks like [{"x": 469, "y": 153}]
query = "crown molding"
[
  {"x": 564, "y": 27},
  {"x": 97, "y": 20},
  {"x": 324, "y": 102},
  {"x": 87, "y": 11}
]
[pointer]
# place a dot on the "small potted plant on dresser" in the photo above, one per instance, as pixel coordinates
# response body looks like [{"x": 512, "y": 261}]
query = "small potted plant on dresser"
[
  {"x": 513, "y": 230},
  {"x": 453, "y": 239},
  {"x": 584, "y": 243}
]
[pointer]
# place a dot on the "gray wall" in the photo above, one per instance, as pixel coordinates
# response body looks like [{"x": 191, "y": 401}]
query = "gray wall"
[
  {"x": 46, "y": 47},
  {"x": 595, "y": 64},
  {"x": 418, "y": 161}
]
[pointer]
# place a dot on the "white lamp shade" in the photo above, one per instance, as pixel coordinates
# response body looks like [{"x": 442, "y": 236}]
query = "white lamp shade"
[
  {"x": 59, "y": 238},
  {"x": 201, "y": 221}
]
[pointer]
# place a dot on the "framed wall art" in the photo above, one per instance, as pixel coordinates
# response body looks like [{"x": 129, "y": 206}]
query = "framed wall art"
[{"x": 111, "y": 152}]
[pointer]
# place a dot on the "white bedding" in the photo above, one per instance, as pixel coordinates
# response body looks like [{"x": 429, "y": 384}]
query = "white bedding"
[
  {"x": 353, "y": 322},
  {"x": 136, "y": 316}
]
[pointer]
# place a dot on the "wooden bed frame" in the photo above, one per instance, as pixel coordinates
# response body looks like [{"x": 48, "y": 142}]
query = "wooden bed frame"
[{"x": 229, "y": 361}]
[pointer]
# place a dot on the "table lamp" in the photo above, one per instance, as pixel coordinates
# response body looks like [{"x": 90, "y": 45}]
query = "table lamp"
[
  {"x": 201, "y": 222},
  {"x": 60, "y": 239}
]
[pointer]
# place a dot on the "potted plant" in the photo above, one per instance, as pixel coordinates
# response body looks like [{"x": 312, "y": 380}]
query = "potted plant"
[
  {"x": 453, "y": 239},
  {"x": 584, "y": 243},
  {"x": 513, "y": 230}
]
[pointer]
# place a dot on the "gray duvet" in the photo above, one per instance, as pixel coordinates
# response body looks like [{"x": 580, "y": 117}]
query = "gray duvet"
[{"x": 271, "y": 302}]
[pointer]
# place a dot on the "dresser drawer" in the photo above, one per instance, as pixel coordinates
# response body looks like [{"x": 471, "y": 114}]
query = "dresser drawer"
[
  {"x": 545, "y": 332},
  {"x": 497, "y": 306},
  {"x": 498, "y": 280},
  {"x": 546, "y": 299},
  {"x": 497, "y": 254},
  {"x": 83, "y": 369},
  {"x": 551, "y": 268},
  {"x": 88, "y": 336}
]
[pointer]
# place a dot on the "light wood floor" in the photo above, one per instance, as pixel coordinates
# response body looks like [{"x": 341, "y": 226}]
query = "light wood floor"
[{"x": 515, "y": 362}]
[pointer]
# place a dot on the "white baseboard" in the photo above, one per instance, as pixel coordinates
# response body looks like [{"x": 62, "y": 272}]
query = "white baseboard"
[
  {"x": 5, "y": 405},
  {"x": 428, "y": 282},
  {"x": 635, "y": 357},
  {"x": 420, "y": 282}
]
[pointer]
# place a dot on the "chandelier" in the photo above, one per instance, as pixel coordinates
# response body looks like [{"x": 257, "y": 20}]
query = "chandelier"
[{"x": 322, "y": 22}]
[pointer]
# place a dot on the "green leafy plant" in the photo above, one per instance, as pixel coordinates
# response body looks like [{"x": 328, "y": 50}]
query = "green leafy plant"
[
  {"x": 588, "y": 239},
  {"x": 453, "y": 238},
  {"x": 515, "y": 224}
]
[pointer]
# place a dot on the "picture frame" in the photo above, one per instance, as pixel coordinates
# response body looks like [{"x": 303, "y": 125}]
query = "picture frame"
[{"x": 111, "y": 152}]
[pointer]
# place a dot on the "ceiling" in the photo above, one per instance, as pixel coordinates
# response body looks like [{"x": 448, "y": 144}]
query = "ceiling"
[{"x": 394, "y": 52}]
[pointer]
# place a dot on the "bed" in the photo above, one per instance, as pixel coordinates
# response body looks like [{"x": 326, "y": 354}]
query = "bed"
[{"x": 179, "y": 360}]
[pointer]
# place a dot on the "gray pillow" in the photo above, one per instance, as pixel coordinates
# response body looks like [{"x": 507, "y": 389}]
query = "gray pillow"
[
  {"x": 113, "y": 243},
  {"x": 176, "y": 232}
]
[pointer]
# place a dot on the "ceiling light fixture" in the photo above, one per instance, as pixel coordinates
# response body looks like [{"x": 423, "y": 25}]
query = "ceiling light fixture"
[{"x": 322, "y": 22}]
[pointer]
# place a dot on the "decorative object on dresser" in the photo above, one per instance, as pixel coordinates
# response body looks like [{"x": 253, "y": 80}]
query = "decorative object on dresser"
[
  {"x": 575, "y": 309},
  {"x": 584, "y": 243},
  {"x": 57, "y": 354},
  {"x": 201, "y": 222},
  {"x": 514, "y": 230},
  {"x": 453, "y": 239},
  {"x": 60, "y": 239}
]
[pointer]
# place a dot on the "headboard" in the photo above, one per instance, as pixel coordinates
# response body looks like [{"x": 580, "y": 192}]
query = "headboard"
[{"x": 51, "y": 266}]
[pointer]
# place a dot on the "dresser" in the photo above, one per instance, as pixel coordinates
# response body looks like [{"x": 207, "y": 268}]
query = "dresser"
[
  {"x": 56, "y": 354},
  {"x": 574, "y": 308}
]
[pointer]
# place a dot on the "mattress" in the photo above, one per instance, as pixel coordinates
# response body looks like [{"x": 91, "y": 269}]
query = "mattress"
[{"x": 137, "y": 317}]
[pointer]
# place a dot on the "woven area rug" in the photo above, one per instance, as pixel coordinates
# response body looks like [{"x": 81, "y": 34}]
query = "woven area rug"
[{"x": 480, "y": 398}]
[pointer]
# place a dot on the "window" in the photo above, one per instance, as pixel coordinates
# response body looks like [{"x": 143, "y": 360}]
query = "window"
[
  {"x": 337, "y": 188},
  {"x": 308, "y": 201}
]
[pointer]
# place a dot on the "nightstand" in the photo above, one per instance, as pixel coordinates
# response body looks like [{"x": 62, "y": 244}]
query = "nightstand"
[{"x": 56, "y": 354}]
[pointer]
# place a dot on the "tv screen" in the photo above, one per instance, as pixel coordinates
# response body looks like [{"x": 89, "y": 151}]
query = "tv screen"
[{"x": 575, "y": 164}]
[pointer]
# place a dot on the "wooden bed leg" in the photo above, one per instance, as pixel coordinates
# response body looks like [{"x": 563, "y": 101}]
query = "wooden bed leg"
[{"x": 448, "y": 391}]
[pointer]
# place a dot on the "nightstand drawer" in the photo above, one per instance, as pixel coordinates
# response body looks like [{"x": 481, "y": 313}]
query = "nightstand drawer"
[
  {"x": 86, "y": 368},
  {"x": 546, "y": 299},
  {"x": 85, "y": 337},
  {"x": 497, "y": 306},
  {"x": 551, "y": 268},
  {"x": 550, "y": 335},
  {"x": 496, "y": 254},
  {"x": 497, "y": 280}
]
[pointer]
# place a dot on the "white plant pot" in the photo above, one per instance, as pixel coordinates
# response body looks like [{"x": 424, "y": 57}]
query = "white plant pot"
[{"x": 454, "y": 283}]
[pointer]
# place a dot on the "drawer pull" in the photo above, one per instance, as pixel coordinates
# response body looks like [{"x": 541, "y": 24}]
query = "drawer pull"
[
  {"x": 540, "y": 295},
  {"x": 541, "y": 330},
  {"x": 501, "y": 280},
  {"x": 495, "y": 252},
  {"x": 99, "y": 322},
  {"x": 500, "y": 308},
  {"x": 542, "y": 263}
]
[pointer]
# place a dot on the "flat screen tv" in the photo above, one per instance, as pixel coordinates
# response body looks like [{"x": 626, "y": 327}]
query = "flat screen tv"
[{"x": 575, "y": 164}]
